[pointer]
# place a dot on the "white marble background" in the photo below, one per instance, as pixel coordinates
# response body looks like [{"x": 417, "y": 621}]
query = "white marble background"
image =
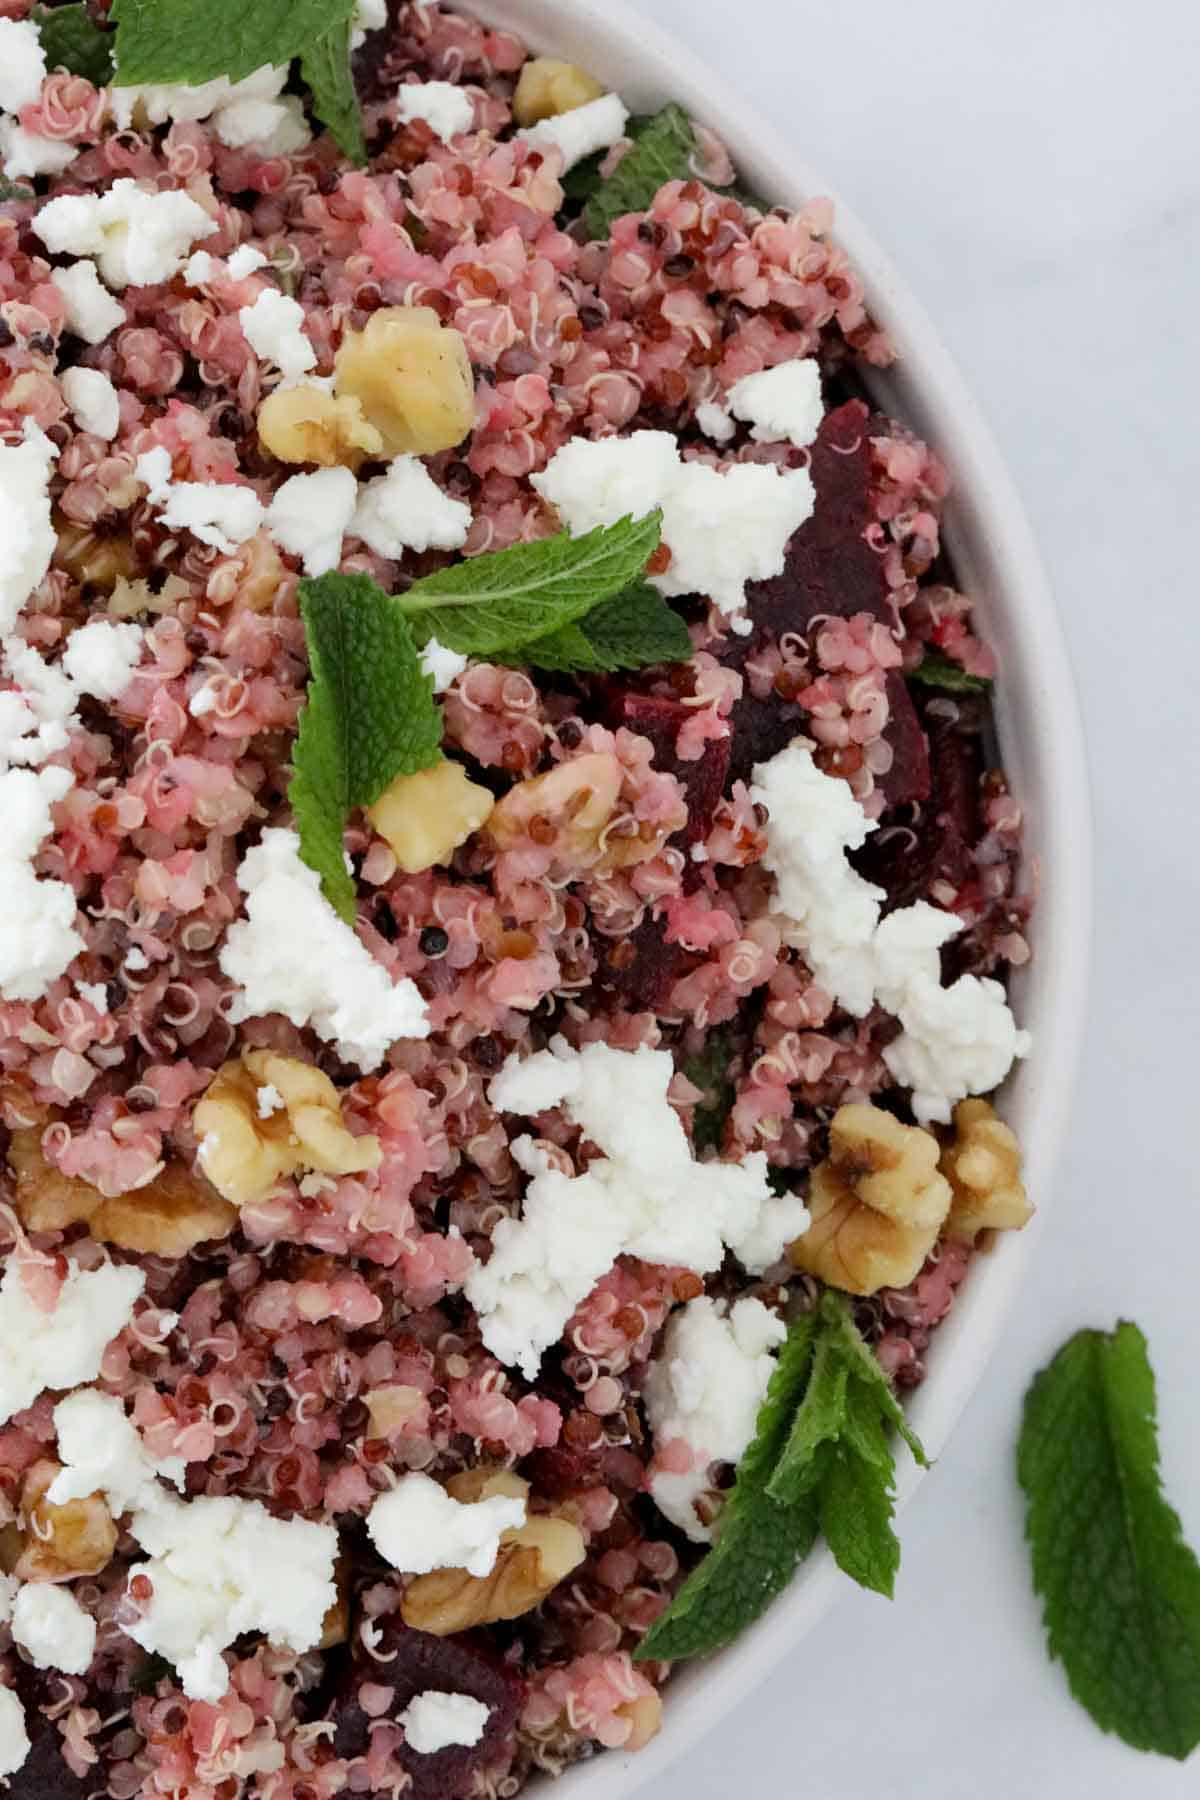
[{"x": 1034, "y": 170}]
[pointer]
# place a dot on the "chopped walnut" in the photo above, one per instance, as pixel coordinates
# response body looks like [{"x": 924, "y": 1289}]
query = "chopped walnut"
[
  {"x": 877, "y": 1203},
  {"x": 425, "y": 817},
  {"x": 983, "y": 1167},
  {"x": 308, "y": 424},
  {"x": 390, "y": 1407},
  {"x": 413, "y": 377},
  {"x": 130, "y": 599},
  {"x": 61, "y": 1542},
  {"x": 548, "y": 87},
  {"x": 95, "y": 559},
  {"x": 574, "y": 809},
  {"x": 532, "y": 1560},
  {"x": 645, "y": 1719},
  {"x": 244, "y": 1153}
]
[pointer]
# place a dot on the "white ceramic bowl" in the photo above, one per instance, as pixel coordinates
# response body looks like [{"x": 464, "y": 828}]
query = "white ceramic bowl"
[{"x": 997, "y": 564}]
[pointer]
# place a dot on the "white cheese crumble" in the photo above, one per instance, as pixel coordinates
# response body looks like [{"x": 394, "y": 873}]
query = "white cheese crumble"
[
  {"x": 434, "y": 1721},
  {"x": 407, "y": 510},
  {"x": 22, "y": 64},
  {"x": 221, "y": 1566},
  {"x": 715, "y": 422},
  {"x": 293, "y": 955},
  {"x": 244, "y": 261},
  {"x": 782, "y": 404},
  {"x": 223, "y": 514},
  {"x": 368, "y": 15},
  {"x": 200, "y": 268},
  {"x": 706, "y": 1386},
  {"x": 138, "y": 237},
  {"x": 29, "y": 153},
  {"x": 646, "y": 1196},
  {"x": 598, "y": 125},
  {"x": 101, "y": 656},
  {"x": 94, "y": 401},
  {"x": 268, "y": 1100},
  {"x": 445, "y": 108},
  {"x": 723, "y": 529},
  {"x": 25, "y": 528},
  {"x": 52, "y": 1628},
  {"x": 273, "y": 326},
  {"x": 38, "y": 939},
  {"x": 59, "y": 1349},
  {"x": 254, "y": 110},
  {"x": 417, "y": 1527},
  {"x": 956, "y": 1041},
  {"x": 309, "y": 515},
  {"x": 9, "y": 1587},
  {"x": 441, "y": 665},
  {"x": 92, "y": 313},
  {"x": 102, "y": 1452},
  {"x": 14, "y": 1738},
  {"x": 95, "y": 993},
  {"x": 36, "y": 722}
]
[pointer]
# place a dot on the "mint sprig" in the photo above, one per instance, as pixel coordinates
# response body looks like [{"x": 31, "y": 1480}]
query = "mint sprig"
[
  {"x": 937, "y": 671},
  {"x": 634, "y": 630},
  {"x": 72, "y": 41},
  {"x": 663, "y": 146},
  {"x": 325, "y": 68},
  {"x": 820, "y": 1462},
  {"x": 178, "y": 40},
  {"x": 1120, "y": 1587}
]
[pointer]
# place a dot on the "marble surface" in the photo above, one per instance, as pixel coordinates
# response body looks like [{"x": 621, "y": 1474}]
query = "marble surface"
[{"x": 1033, "y": 170}]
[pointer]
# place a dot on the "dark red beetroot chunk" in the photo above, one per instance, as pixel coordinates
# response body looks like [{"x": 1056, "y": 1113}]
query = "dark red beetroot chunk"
[
  {"x": 661, "y": 720},
  {"x": 909, "y": 779},
  {"x": 909, "y": 852},
  {"x": 409, "y": 1662},
  {"x": 568, "y": 1469},
  {"x": 640, "y": 967}
]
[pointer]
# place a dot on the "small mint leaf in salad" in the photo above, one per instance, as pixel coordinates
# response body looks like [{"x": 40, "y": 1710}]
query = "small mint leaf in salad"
[
  {"x": 73, "y": 41},
  {"x": 325, "y": 68},
  {"x": 634, "y": 630},
  {"x": 937, "y": 671},
  {"x": 182, "y": 41},
  {"x": 708, "y": 1070},
  {"x": 1120, "y": 1587},
  {"x": 13, "y": 190},
  {"x": 663, "y": 148}
]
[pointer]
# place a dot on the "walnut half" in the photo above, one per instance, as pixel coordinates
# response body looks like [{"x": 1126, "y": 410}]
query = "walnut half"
[
  {"x": 983, "y": 1167},
  {"x": 60, "y": 1542},
  {"x": 266, "y": 1116},
  {"x": 877, "y": 1203},
  {"x": 412, "y": 377}
]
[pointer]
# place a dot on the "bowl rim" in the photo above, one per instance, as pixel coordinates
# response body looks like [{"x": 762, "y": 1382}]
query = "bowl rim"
[{"x": 1041, "y": 735}]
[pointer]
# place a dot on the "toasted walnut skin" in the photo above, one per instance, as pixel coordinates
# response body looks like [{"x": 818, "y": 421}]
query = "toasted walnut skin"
[
  {"x": 95, "y": 559},
  {"x": 61, "y": 1542},
  {"x": 412, "y": 376},
  {"x": 548, "y": 87},
  {"x": 308, "y": 424},
  {"x": 877, "y": 1203},
  {"x": 244, "y": 1155},
  {"x": 532, "y": 1560},
  {"x": 425, "y": 817},
  {"x": 983, "y": 1167}
]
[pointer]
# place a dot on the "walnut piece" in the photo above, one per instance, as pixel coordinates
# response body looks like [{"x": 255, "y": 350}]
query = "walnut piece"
[
  {"x": 308, "y": 424},
  {"x": 130, "y": 599},
  {"x": 983, "y": 1167},
  {"x": 425, "y": 817},
  {"x": 877, "y": 1203},
  {"x": 61, "y": 1542},
  {"x": 574, "y": 809},
  {"x": 95, "y": 559},
  {"x": 389, "y": 1407},
  {"x": 645, "y": 1720},
  {"x": 248, "y": 1143},
  {"x": 548, "y": 87},
  {"x": 413, "y": 377},
  {"x": 533, "y": 1559}
]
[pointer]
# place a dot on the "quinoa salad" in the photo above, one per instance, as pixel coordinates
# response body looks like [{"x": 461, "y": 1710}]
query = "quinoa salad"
[{"x": 508, "y": 896}]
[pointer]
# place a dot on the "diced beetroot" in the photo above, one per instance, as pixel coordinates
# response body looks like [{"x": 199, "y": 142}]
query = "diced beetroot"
[
  {"x": 761, "y": 728},
  {"x": 44, "y": 1775},
  {"x": 909, "y": 851},
  {"x": 409, "y": 1662},
  {"x": 640, "y": 967},
  {"x": 908, "y": 780},
  {"x": 567, "y": 1469},
  {"x": 661, "y": 719}
]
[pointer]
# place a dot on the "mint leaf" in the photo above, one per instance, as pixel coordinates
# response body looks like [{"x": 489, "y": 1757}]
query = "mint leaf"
[
  {"x": 1120, "y": 1587},
  {"x": 663, "y": 146},
  {"x": 709, "y": 1071},
  {"x": 863, "y": 1365},
  {"x": 325, "y": 67},
  {"x": 12, "y": 190},
  {"x": 370, "y": 717},
  {"x": 72, "y": 41},
  {"x": 495, "y": 604},
  {"x": 759, "y": 1544},
  {"x": 179, "y": 40},
  {"x": 857, "y": 1504},
  {"x": 634, "y": 630},
  {"x": 819, "y": 1420},
  {"x": 939, "y": 672}
]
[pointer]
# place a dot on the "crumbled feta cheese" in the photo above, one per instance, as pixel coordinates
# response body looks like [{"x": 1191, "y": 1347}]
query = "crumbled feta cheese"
[
  {"x": 706, "y": 1386},
  {"x": 94, "y": 400},
  {"x": 434, "y": 1721},
  {"x": 274, "y": 329},
  {"x": 101, "y": 656},
  {"x": 92, "y": 313},
  {"x": 598, "y": 125},
  {"x": 368, "y": 15},
  {"x": 407, "y": 510},
  {"x": 783, "y": 404},
  {"x": 37, "y": 922},
  {"x": 221, "y": 1566},
  {"x": 29, "y": 153},
  {"x": 293, "y": 955},
  {"x": 272, "y": 127},
  {"x": 59, "y": 1349},
  {"x": 203, "y": 701},
  {"x": 95, "y": 993},
  {"x": 22, "y": 64},
  {"x": 223, "y": 514},
  {"x": 9, "y": 1586},
  {"x": 102, "y": 1452},
  {"x": 52, "y": 1628},
  {"x": 956, "y": 1041},
  {"x": 715, "y": 422},
  {"x": 417, "y": 1526},
  {"x": 310, "y": 514},
  {"x": 254, "y": 110},
  {"x": 13, "y": 1736},
  {"x": 646, "y": 1196},
  {"x": 723, "y": 529},
  {"x": 441, "y": 665},
  {"x": 200, "y": 268},
  {"x": 154, "y": 468},
  {"x": 136, "y": 959},
  {"x": 244, "y": 261},
  {"x": 25, "y": 529},
  {"x": 445, "y": 108},
  {"x": 269, "y": 1100},
  {"x": 138, "y": 237}
]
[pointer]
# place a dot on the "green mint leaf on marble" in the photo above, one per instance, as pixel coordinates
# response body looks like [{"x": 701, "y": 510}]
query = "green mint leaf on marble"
[
  {"x": 938, "y": 671},
  {"x": 370, "y": 717},
  {"x": 634, "y": 630},
  {"x": 1120, "y": 1588},
  {"x": 325, "y": 68},
  {"x": 180, "y": 40},
  {"x": 502, "y": 602},
  {"x": 73, "y": 41}
]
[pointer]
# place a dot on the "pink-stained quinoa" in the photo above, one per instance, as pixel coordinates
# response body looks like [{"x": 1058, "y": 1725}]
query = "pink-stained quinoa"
[{"x": 333, "y": 1287}]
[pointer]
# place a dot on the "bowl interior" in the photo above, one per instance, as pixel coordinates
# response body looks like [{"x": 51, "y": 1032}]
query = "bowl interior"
[{"x": 1038, "y": 723}]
